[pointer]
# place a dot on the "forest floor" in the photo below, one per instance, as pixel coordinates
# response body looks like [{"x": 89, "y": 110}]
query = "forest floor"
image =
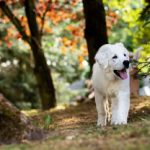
[{"x": 74, "y": 127}]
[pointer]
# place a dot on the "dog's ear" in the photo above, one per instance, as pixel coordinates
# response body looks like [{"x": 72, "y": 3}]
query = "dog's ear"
[
  {"x": 120, "y": 44},
  {"x": 101, "y": 58}
]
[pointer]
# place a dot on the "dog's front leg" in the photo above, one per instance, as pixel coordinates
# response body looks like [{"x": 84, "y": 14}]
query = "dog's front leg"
[
  {"x": 123, "y": 107},
  {"x": 101, "y": 108}
]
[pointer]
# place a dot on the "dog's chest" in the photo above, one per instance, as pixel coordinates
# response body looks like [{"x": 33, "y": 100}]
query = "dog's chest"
[{"x": 112, "y": 89}]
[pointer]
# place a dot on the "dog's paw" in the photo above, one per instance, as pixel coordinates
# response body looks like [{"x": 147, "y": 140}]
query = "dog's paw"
[
  {"x": 118, "y": 122},
  {"x": 101, "y": 122},
  {"x": 101, "y": 125}
]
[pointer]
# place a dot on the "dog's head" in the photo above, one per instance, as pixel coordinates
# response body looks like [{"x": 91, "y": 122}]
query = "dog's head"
[{"x": 114, "y": 58}]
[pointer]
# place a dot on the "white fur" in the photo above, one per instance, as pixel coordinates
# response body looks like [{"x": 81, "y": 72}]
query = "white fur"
[{"x": 108, "y": 85}]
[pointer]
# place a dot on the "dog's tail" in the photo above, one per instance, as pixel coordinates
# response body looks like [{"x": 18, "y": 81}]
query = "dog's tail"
[
  {"x": 135, "y": 57},
  {"x": 137, "y": 53}
]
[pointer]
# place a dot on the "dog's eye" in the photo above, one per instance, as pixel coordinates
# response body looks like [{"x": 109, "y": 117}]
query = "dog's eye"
[
  {"x": 124, "y": 54},
  {"x": 115, "y": 57}
]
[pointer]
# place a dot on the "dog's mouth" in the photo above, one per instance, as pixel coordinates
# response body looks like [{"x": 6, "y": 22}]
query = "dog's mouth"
[{"x": 121, "y": 73}]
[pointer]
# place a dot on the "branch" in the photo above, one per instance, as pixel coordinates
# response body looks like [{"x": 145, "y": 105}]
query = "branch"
[
  {"x": 136, "y": 75},
  {"x": 43, "y": 18},
  {"x": 47, "y": 9},
  {"x": 31, "y": 15},
  {"x": 15, "y": 21},
  {"x": 34, "y": 39}
]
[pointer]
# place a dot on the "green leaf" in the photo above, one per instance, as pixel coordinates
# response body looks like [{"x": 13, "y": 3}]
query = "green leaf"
[
  {"x": 144, "y": 41},
  {"x": 88, "y": 131},
  {"x": 47, "y": 121},
  {"x": 146, "y": 23}
]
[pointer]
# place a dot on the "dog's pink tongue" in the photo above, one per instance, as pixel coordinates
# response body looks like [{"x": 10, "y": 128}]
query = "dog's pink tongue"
[{"x": 123, "y": 74}]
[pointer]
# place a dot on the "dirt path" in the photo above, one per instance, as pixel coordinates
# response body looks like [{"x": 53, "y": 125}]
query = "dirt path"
[
  {"x": 83, "y": 114},
  {"x": 75, "y": 128}
]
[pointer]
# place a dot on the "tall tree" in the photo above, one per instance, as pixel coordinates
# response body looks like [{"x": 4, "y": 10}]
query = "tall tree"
[
  {"x": 41, "y": 69},
  {"x": 95, "y": 31}
]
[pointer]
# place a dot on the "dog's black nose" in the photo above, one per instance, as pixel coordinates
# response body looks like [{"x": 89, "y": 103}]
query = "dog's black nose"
[{"x": 126, "y": 64}]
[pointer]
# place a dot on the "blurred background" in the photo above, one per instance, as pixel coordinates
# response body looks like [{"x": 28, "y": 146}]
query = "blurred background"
[{"x": 63, "y": 44}]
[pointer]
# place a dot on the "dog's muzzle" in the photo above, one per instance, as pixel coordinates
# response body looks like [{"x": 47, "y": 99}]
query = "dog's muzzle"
[{"x": 123, "y": 73}]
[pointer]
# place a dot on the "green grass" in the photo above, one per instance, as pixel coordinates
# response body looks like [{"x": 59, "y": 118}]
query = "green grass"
[{"x": 126, "y": 137}]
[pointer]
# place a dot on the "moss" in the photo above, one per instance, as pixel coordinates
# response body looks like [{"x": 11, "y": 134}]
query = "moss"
[
  {"x": 10, "y": 125},
  {"x": 14, "y": 126}
]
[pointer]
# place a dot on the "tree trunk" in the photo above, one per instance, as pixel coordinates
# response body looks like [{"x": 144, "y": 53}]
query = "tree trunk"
[
  {"x": 95, "y": 31},
  {"x": 15, "y": 126},
  {"x": 41, "y": 69},
  {"x": 43, "y": 77}
]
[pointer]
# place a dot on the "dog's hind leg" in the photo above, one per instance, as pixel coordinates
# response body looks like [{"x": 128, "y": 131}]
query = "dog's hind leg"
[
  {"x": 114, "y": 109},
  {"x": 107, "y": 110}
]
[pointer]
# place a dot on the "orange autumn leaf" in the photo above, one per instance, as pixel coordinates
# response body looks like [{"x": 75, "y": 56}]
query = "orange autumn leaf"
[
  {"x": 63, "y": 50},
  {"x": 83, "y": 49},
  {"x": 66, "y": 41},
  {"x": 108, "y": 33},
  {"x": 73, "y": 3},
  {"x": 17, "y": 35},
  {"x": 6, "y": 19},
  {"x": 111, "y": 18},
  {"x": 69, "y": 27},
  {"x": 115, "y": 22},
  {"x": 71, "y": 49},
  {"x": 6, "y": 38},
  {"x": 22, "y": 2},
  {"x": 39, "y": 20},
  {"x": 28, "y": 31},
  {"x": 9, "y": 44},
  {"x": 74, "y": 41},
  {"x": 30, "y": 47},
  {"x": 9, "y": 32},
  {"x": 74, "y": 45},
  {"x": 56, "y": 23},
  {"x": 0, "y": 42},
  {"x": 81, "y": 59},
  {"x": 73, "y": 16},
  {"x": 49, "y": 30},
  {"x": 118, "y": 16}
]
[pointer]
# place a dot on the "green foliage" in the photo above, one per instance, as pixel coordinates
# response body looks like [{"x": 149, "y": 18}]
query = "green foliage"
[
  {"x": 17, "y": 81},
  {"x": 141, "y": 84},
  {"x": 129, "y": 28},
  {"x": 144, "y": 64},
  {"x": 145, "y": 15}
]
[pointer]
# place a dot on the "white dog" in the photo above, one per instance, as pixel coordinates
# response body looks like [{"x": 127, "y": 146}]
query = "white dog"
[{"x": 111, "y": 80}]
